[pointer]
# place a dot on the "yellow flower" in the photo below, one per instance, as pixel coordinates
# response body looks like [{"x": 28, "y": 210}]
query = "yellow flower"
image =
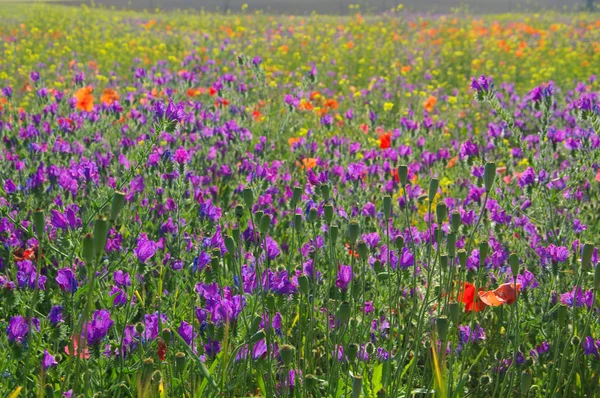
[{"x": 388, "y": 106}]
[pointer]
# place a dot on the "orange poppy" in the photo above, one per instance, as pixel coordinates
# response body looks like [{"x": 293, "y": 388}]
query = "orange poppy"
[
  {"x": 25, "y": 254},
  {"x": 505, "y": 294},
  {"x": 309, "y": 163},
  {"x": 351, "y": 252},
  {"x": 109, "y": 96},
  {"x": 467, "y": 297},
  {"x": 430, "y": 103},
  {"x": 452, "y": 162},
  {"x": 293, "y": 140},
  {"x": 85, "y": 99}
]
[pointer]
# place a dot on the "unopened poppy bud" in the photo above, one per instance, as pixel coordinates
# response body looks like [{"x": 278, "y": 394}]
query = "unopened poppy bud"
[
  {"x": 312, "y": 215},
  {"x": 483, "y": 252},
  {"x": 562, "y": 315},
  {"x": 256, "y": 337},
  {"x": 39, "y": 222},
  {"x": 334, "y": 231},
  {"x": 383, "y": 276},
  {"x": 441, "y": 211},
  {"x": 526, "y": 380},
  {"x": 48, "y": 391},
  {"x": 265, "y": 223},
  {"x": 451, "y": 245},
  {"x": 353, "y": 231},
  {"x": 287, "y": 354},
  {"x": 362, "y": 250},
  {"x": 387, "y": 207},
  {"x": 310, "y": 381},
  {"x": 344, "y": 312},
  {"x": 489, "y": 175},
  {"x": 575, "y": 341},
  {"x": 403, "y": 174},
  {"x": 254, "y": 325},
  {"x": 180, "y": 362},
  {"x": 148, "y": 365},
  {"x": 454, "y": 311},
  {"x": 304, "y": 283},
  {"x": 437, "y": 235},
  {"x": 462, "y": 257},
  {"x": 298, "y": 223},
  {"x": 586, "y": 255},
  {"x": 352, "y": 351},
  {"x": 100, "y": 235},
  {"x": 455, "y": 221},
  {"x": 377, "y": 266},
  {"x": 248, "y": 196},
  {"x": 433, "y": 187},
  {"x": 235, "y": 233},
  {"x": 229, "y": 244},
  {"x": 513, "y": 260},
  {"x": 444, "y": 261},
  {"x": 370, "y": 348},
  {"x": 296, "y": 195},
  {"x": 139, "y": 328},
  {"x": 257, "y": 217},
  {"x": 441, "y": 324},
  {"x": 328, "y": 212},
  {"x": 485, "y": 380},
  {"x": 89, "y": 251},
  {"x": 325, "y": 191},
  {"x": 116, "y": 206},
  {"x": 399, "y": 241},
  {"x": 239, "y": 211},
  {"x": 357, "y": 386},
  {"x": 166, "y": 335},
  {"x": 597, "y": 278}
]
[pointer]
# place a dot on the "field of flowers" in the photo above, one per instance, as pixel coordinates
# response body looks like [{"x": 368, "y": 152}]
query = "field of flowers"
[{"x": 200, "y": 205}]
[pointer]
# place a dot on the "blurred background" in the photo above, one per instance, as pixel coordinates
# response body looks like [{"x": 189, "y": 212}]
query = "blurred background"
[{"x": 342, "y": 6}]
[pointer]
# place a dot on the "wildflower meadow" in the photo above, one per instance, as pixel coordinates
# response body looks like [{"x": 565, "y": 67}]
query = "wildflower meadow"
[{"x": 244, "y": 204}]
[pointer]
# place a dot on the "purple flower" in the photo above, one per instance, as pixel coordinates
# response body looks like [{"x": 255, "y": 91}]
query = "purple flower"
[
  {"x": 540, "y": 349},
  {"x": 55, "y": 315},
  {"x": 482, "y": 84},
  {"x": 590, "y": 347},
  {"x": 468, "y": 149},
  {"x": 99, "y": 326},
  {"x": 145, "y": 249},
  {"x": 181, "y": 156},
  {"x": 7, "y": 91},
  {"x": 48, "y": 360},
  {"x": 151, "y": 323},
  {"x": 186, "y": 331},
  {"x": 67, "y": 282},
  {"x": 577, "y": 297},
  {"x": 557, "y": 253},
  {"x": 344, "y": 277},
  {"x": 527, "y": 280},
  {"x": 17, "y": 328}
]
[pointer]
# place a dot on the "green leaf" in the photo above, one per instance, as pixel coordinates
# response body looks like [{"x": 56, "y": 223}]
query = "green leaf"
[
  {"x": 261, "y": 384},
  {"x": 376, "y": 384}
]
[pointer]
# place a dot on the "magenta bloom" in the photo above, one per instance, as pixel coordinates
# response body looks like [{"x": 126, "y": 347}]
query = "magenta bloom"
[
  {"x": 48, "y": 360},
  {"x": 145, "y": 249},
  {"x": 344, "y": 277},
  {"x": 66, "y": 280},
  {"x": 17, "y": 328},
  {"x": 99, "y": 326}
]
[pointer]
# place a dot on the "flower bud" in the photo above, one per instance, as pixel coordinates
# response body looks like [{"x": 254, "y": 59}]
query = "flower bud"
[
  {"x": 433, "y": 187},
  {"x": 597, "y": 278},
  {"x": 48, "y": 391},
  {"x": 328, "y": 211},
  {"x": 312, "y": 215},
  {"x": 248, "y": 196},
  {"x": 462, "y": 258},
  {"x": 586, "y": 255},
  {"x": 304, "y": 284},
  {"x": 325, "y": 191},
  {"x": 344, "y": 312},
  {"x": 89, "y": 251},
  {"x": 441, "y": 211},
  {"x": 271, "y": 302},
  {"x": 399, "y": 241},
  {"x": 362, "y": 250},
  {"x": 287, "y": 354},
  {"x": 39, "y": 221},
  {"x": 441, "y": 324},
  {"x": 357, "y": 386},
  {"x": 387, "y": 207},
  {"x": 454, "y": 311},
  {"x": 296, "y": 195},
  {"x": 370, "y": 348},
  {"x": 489, "y": 175},
  {"x": 403, "y": 174},
  {"x": 310, "y": 382},
  {"x": 265, "y": 223},
  {"x": 351, "y": 352},
  {"x": 298, "y": 223},
  {"x": 455, "y": 221},
  {"x": 451, "y": 245},
  {"x": 444, "y": 262},
  {"x": 562, "y": 315},
  {"x": 333, "y": 233},
  {"x": 166, "y": 335},
  {"x": 139, "y": 328},
  {"x": 229, "y": 244},
  {"x": 180, "y": 362},
  {"x": 235, "y": 233},
  {"x": 116, "y": 206},
  {"x": 239, "y": 211},
  {"x": 526, "y": 380},
  {"x": 353, "y": 231},
  {"x": 256, "y": 337},
  {"x": 257, "y": 217},
  {"x": 100, "y": 235}
]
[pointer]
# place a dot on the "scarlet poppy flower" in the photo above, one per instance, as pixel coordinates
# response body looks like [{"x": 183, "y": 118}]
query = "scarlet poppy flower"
[
  {"x": 85, "y": 99},
  {"x": 109, "y": 96},
  {"x": 430, "y": 103},
  {"x": 25, "y": 254},
  {"x": 504, "y": 294},
  {"x": 161, "y": 351},
  {"x": 385, "y": 140},
  {"x": 467, "y": 296}
]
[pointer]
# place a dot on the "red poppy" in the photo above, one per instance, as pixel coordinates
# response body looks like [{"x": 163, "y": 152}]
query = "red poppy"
[
  {"x": 467, "y": 296},
  {"x": 385, "y": 140},
  {"x": 25, "y": 254},
  {"x": 161, "y": 351},
  {"x": 505, "y": 294}
]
